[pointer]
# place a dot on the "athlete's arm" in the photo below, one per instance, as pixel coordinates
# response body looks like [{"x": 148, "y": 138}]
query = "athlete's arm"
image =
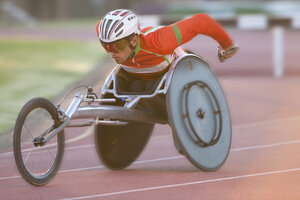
[{"x": 166, "y": 39}]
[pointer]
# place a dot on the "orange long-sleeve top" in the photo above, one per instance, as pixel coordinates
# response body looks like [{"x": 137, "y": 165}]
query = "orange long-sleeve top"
[{"x": 154, "y": 51}]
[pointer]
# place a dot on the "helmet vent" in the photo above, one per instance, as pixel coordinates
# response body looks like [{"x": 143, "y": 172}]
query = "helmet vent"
[
  {"x": 112, "y": 28},
  {"x": 119, "y": 33},
  {"x": 124, "y": 13},
  {"x": 116, "y": 12},
  {"x": 102, "y": 28},
  {"x": 118, "y": 28},
  {"x": 106, "y": 27}
]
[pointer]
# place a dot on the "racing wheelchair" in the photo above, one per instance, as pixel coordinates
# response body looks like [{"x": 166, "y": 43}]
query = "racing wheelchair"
[{"x": 188, "y": 97}]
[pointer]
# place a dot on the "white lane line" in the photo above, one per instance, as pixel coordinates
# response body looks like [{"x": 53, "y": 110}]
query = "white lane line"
[
  {"x": 84, "y": 146},
  {"x": 233, "y": 149},
  {"x": 184, "y": 184},
  {"x": 10, "y": 177},
  {"x": 81, "y": 136},
  {"x": 134, "y": 163},
  {"x": 265, "y": 145},
  {"x": 102, "y": 166},
  {"x": 81, "y": 169},
  {"x": 77, "y": 138},
  {"x": 247, "y": 125},
  {"x": 88, "y": 132},
  {"x": 267, "y": 122},
  {"x": 179, "y": 157},
  {"x": 172, "y": 157}
]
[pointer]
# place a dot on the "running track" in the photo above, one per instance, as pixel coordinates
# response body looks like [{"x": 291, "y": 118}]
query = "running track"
[{"x": 263, "y": 163}]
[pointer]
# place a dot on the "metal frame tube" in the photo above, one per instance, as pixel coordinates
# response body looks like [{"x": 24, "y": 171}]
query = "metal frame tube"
[
  {"x": 118, "y": 113},
  {"x": 57, "y": 130},
  {"x": 74, "y": 105},
  {"x": 68, "y": 115}
]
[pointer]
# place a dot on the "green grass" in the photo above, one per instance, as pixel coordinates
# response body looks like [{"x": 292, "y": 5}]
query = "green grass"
[{"x": 39, "y": 68}]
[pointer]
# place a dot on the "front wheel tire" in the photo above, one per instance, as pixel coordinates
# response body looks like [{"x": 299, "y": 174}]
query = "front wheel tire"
[{"x": 37, "y": 163}]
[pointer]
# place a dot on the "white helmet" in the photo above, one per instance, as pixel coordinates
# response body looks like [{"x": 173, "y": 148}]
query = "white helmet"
[{"x": 118, "y": 24}]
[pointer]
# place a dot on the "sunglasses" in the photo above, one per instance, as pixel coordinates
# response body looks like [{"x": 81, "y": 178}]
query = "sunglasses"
[{"x": 117, "y": 46}]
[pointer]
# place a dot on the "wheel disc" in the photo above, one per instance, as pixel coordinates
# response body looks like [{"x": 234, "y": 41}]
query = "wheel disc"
[{"x": 198, "y": 114}]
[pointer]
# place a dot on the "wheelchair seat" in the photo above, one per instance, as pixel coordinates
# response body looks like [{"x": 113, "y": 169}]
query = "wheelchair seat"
[{"x": 124, "y": 80}]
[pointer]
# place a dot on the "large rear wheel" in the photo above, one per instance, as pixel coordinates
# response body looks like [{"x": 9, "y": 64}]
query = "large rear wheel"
[
  {"x": 198, "y": 114},
  {"x": 119, "y": 146}
]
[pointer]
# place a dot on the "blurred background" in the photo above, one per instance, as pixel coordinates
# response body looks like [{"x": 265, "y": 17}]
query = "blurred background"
[{"x": 47, "y": 46}]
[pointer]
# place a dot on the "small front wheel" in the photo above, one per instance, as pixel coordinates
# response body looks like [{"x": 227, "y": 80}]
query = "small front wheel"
[{"x": 38, "y": 162}]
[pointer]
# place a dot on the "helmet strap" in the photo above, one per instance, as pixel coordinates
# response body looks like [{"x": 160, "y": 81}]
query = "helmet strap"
[
  {"x": 132, "y": 51},
  {"x": 132, "y": 48}
]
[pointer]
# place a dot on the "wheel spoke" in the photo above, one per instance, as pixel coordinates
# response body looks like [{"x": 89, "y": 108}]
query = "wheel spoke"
[
  {"x": 28, "y": 131},
  {"x": 48, "y": 130},
  {"x": 28, "y": 154},
  {"x": 50, "y": 153}
]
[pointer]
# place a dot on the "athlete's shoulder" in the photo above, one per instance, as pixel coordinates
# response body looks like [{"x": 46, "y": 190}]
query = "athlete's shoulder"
[
  {"x": 145, "y": 29},
  {"x": 150, "y": 29}
]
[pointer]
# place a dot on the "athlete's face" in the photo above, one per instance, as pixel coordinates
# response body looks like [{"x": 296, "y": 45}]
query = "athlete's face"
[{"x": 121, "y": 57}]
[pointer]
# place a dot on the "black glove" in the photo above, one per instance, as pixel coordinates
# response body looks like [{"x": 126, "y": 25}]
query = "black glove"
[{"x": 224, "y": 54}]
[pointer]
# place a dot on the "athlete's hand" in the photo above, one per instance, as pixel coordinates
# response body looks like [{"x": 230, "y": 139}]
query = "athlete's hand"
[{"x": 224, "y": 54}]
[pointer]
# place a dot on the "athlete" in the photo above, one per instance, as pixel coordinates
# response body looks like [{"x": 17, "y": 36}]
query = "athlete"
[{"x": 147, "y": 53}]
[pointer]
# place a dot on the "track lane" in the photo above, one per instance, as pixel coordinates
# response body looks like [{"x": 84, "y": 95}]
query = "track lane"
[{"x": 179, "y": 165}]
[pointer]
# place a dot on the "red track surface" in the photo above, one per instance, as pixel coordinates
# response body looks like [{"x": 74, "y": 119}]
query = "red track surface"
[{"x": 263, "y": 162}]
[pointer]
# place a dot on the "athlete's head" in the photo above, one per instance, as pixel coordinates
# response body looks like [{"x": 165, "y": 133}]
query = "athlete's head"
[{"x": 116, "y": 32}]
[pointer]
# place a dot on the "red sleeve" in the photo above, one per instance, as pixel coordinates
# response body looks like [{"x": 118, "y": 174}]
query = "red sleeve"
[
  {"x": 170, "y": 37},
  {"x": 203, "y": 24},
  {"x": 144, "y": 30}
]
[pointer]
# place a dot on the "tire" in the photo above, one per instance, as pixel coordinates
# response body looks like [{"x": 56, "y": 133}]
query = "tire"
[
  {"x": 119, "y": 146},
  {"x": 37, "y": 116}
]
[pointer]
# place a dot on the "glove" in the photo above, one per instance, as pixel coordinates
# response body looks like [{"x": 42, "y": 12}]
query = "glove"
[{"x": 224, "y": 54}]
